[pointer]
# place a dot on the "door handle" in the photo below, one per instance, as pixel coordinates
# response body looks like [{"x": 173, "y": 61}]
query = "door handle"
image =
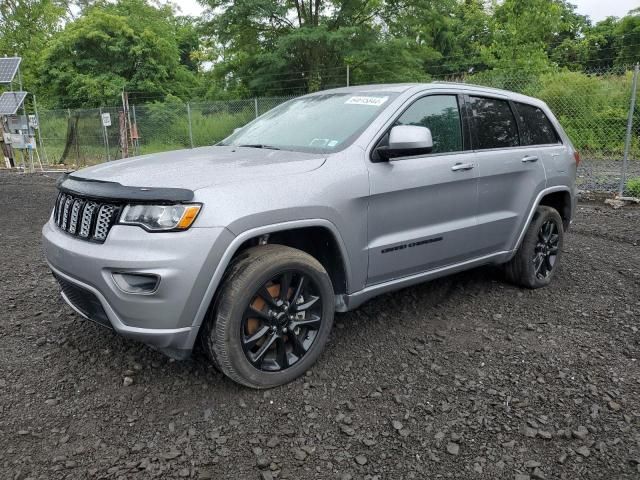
[
  {"x": 462, "y": 166},
  {"x": 529, "y": 158}
]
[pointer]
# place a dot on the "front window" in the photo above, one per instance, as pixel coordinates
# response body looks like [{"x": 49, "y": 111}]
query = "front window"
[
  {"x": 441, "y": 115},
  {"x": 322, "y": 123}
]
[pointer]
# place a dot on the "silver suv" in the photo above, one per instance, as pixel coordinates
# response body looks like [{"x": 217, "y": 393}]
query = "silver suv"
[{"x": 250, "y": 246}]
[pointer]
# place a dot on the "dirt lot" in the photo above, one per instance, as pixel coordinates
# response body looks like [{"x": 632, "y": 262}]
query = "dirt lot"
[{"x": 465, "y": 378}]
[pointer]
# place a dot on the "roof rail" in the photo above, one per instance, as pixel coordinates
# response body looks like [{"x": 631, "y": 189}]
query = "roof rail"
[{"x": 467, "y": 84}]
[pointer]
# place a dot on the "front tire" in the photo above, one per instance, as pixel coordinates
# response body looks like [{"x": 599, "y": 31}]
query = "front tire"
[
  {"x": 536, "y": 261},
  {"x": 272, "y": 318}
]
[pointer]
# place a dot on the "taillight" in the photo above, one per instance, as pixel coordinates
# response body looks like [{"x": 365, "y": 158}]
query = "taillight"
[{"x": 576, "y": 157}]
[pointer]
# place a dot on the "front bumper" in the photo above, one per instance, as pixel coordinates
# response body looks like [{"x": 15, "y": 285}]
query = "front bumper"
[{"x": 168, "y": 318}]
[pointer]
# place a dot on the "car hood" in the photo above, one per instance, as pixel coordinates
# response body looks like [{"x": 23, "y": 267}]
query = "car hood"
[{"x": 202, "y": 167}]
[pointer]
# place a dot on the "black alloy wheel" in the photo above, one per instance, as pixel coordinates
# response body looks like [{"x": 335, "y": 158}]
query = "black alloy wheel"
[
  {"x": 546, "y": 250},
  {"x": 281, "y": 321},
  {"x": 272, "y": 316},
  {"x": 536, "y": 261}
]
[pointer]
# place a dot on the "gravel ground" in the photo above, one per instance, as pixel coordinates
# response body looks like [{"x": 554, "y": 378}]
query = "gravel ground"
[
  {"x": 604, "y": 175},
  {"x": 465, "y": 378}
]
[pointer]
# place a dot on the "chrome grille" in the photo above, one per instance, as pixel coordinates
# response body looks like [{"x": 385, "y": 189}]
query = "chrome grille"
[
  {"x": 104, "y": 222},
  {"x": 87, "y": 216},
  {"x": 86, "y": 219},
  {"x": 75, "y": 211},
  {"x": 65, "y": 213}
]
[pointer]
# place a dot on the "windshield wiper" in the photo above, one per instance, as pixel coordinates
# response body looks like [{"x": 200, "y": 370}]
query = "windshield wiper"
[{"x": 259, "y": 145}]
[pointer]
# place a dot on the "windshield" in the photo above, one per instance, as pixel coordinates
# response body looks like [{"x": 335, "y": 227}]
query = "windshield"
[{"x": 318, "y": 123}]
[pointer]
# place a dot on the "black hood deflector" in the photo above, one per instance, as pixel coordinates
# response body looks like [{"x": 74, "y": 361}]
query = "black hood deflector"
[{"x": 103, "y": 190}]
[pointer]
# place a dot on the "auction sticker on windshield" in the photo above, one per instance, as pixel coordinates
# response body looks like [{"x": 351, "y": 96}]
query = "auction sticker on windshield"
[{"x": 360, "y": 100}]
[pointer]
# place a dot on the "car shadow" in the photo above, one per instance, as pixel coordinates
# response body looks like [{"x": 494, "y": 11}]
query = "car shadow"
[{"x": 157, "y": 370}]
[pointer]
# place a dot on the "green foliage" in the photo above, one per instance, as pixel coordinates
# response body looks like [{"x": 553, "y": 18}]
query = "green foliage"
[
  {"x": 161, "y": 126},
  {"x": 633, "y": 187},
  {"x": 628, "y": 34},
  {"x": 25, "y": 28},
  {"x": 592, "y": 109},
  {"x": 128, "y": 45},
  {"x": 521, "y": 30},
  {"x": 277, "y": 47},
  {"x": 84, "y": 53},
  {"x": 257, "y": 48}
]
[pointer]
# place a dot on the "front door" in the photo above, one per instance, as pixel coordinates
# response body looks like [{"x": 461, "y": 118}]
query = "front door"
[{"x": 422, "y": 209}]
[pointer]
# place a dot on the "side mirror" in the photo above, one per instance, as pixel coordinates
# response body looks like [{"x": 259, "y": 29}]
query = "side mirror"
[{"x": 407, "y": 140}]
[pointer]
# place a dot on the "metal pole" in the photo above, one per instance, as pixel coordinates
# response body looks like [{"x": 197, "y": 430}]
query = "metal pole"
[
  {"x": 106, "y": 141},
  {"x": 24, "y": 112},
  {"x": 627, "y": 143},
  {"x": 122, "y": 120},
  {"x": 44, "y": 150},
  {"x": 348, "y": 72},
  {"x": 105, "y": 137},
  {"x": 190, "y": 128},
  {"x": 255, "y": 105},
  {"x": 130, "y": 125},
  {"x": 135, "y": 124}
]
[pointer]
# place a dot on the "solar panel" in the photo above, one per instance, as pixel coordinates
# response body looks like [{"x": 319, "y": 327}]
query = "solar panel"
[
  {"x": 10, "y": 102},
  {"x": 8, "y": 68}
]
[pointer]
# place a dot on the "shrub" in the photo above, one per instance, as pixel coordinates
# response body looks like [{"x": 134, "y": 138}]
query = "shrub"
[{"x": 633, "y": 187}]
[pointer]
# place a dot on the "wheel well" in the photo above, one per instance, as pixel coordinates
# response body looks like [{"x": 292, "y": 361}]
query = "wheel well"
[
  {"x": 319, "y": 242},
  {"x": 561, "y": 201}
]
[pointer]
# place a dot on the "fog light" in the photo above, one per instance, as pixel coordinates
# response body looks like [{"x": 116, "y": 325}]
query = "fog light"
[{"x": 140, "y": 283}]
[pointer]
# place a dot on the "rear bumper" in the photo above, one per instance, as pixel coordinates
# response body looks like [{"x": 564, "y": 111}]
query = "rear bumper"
[{"x": 167, "y": 318}]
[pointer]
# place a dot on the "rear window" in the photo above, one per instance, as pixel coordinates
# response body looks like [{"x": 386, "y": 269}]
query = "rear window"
[
  {"x": 494, "y": 123},
  {"x": 537, "y": 129}
]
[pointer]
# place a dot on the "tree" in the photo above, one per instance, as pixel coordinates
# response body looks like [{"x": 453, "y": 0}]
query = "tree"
[
  {"x": 522, "y": 31},
  {"x": 26, "y": 26},
  {"x": 270, "y": 47},
  {"x": 628, "y": 35},
  {"x": 564, "y": 45},
  {"x": 129, "y": 45}
]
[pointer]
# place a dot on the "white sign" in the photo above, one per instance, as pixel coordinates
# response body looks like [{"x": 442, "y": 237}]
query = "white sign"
[
  {"x": 33, "y": 121},
  {"x": 360, "y": 100},
  {"x": 106, "y": 119}
]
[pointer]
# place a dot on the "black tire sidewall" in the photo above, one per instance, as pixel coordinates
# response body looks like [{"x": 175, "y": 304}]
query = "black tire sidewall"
[
  {"x": 238, "y": 291},
  {"x": 527, "y": 249}
]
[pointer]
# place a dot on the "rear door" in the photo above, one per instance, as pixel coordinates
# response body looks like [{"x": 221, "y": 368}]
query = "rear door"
[
  {"x": 422, "y": 208},
  {"x": 510, "y": 173},
  {"x": 537, "y": 130}
]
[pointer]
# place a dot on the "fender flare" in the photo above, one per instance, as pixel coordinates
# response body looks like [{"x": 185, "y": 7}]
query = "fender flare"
[
  {"x": 235, "y": 244},
  {"x": 532, "y": 211}
]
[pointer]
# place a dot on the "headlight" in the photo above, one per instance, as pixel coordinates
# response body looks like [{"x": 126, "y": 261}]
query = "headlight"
[{"x": 157, "y": 218}]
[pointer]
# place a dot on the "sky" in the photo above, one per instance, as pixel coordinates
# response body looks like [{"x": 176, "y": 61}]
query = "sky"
[{"x": 596, "y": 9}]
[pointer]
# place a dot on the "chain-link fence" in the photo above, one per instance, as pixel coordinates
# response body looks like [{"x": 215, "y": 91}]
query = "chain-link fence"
[
  {"x": 594, "y": 110},
  {"x": 78, "y": 138},
  {"x": 592, "y": 107}
]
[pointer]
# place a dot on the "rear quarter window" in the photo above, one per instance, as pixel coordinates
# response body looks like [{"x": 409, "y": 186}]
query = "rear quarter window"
[{"x": 537, "y": 129}]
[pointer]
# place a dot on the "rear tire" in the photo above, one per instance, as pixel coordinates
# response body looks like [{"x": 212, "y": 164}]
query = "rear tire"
[
  {"x": 536, "y": 261},
  {"x": 260, "y": 334}
]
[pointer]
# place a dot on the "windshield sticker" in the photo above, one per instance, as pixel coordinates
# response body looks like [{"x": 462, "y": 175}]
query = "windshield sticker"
[
  {"x": 319, "y": 142},
  {"x": 359, "y": 100}
]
